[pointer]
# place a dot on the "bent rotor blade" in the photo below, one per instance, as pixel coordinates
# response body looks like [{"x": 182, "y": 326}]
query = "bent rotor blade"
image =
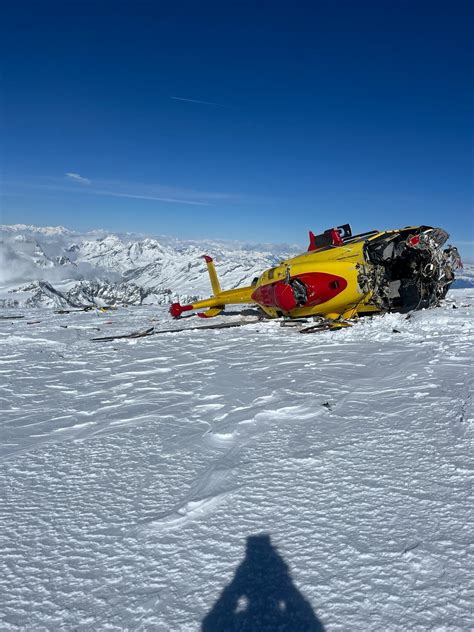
[{"x": 152, "y": 331}]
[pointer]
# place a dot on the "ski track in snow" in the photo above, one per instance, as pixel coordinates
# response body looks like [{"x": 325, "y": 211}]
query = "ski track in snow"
[{"x": 132, "y": 472}]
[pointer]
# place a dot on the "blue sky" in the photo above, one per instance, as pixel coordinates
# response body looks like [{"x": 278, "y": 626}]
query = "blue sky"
[{"x": 247, "y": 120}]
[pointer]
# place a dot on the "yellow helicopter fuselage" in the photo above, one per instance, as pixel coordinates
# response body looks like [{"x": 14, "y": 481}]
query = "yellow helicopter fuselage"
[
  {"x": 341, "y": 276},
  {"x": 343, "y": 262}
]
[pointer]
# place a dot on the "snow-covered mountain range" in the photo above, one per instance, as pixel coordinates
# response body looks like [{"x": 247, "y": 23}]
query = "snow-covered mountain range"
[
  {"x": 53, "y": 266},
  {"x": 57, "y": 267}
]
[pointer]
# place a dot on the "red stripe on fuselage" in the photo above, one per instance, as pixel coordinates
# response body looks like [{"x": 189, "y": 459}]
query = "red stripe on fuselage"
[{"x": 320, "y": 288}]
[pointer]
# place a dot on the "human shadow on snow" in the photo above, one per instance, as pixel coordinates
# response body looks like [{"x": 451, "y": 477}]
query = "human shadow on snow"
[{"x": 262, "y": 596}]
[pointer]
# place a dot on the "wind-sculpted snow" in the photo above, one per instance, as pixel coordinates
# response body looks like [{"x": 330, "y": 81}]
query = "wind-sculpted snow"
[
  {"x": 165, "y": 269},
  {"x": 140, "y": 476}
]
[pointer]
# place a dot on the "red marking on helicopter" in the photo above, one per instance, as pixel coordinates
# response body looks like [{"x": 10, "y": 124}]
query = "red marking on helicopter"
[{"x": 319, "y": 287}]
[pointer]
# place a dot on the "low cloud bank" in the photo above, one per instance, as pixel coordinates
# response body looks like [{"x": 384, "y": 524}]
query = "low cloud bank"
[{"x": 24, "y": 265}]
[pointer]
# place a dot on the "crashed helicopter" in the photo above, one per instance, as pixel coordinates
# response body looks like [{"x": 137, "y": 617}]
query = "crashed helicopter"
[{"x": 343, "y": 276}]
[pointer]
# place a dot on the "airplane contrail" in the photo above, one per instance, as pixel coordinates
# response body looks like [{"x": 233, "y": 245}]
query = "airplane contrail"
[
  {"x": 219, "y": 105},
  {"x": 150, "y": 197}
]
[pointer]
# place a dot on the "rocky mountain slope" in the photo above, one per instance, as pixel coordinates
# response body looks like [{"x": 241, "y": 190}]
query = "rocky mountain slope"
[{"x": 56, "y": 267}]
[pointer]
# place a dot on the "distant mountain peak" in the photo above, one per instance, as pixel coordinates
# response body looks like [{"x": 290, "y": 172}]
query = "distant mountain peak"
[{"x": 43, "y": 230}]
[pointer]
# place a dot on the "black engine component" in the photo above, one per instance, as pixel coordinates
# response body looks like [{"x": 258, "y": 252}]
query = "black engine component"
[{"x": 414, "y": 272}]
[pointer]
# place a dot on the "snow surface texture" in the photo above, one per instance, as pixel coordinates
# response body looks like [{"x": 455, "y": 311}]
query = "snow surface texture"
[
  {"x": 251, "y": 478},
  {"x": 55, "y": 267}
]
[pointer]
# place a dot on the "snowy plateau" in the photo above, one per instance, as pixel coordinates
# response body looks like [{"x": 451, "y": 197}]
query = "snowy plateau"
[{"x": 249, "y": 478}]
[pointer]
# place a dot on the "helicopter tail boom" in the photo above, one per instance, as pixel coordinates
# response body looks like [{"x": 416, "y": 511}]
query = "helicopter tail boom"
[{"x": 218, "y": 301}]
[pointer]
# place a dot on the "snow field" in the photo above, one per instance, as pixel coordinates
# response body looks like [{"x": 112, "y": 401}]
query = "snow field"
[{"x": 133, "y": 472}]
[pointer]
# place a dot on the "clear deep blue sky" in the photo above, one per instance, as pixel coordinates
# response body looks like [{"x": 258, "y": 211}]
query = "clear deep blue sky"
[{"x": 248, "y": 120}]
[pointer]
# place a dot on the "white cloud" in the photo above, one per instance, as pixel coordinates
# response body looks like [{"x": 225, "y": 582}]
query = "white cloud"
[
  {"x": 74, "y": 183},
  {"x": 18, "y": 265},
  {"x": 77, "y": 178}
]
